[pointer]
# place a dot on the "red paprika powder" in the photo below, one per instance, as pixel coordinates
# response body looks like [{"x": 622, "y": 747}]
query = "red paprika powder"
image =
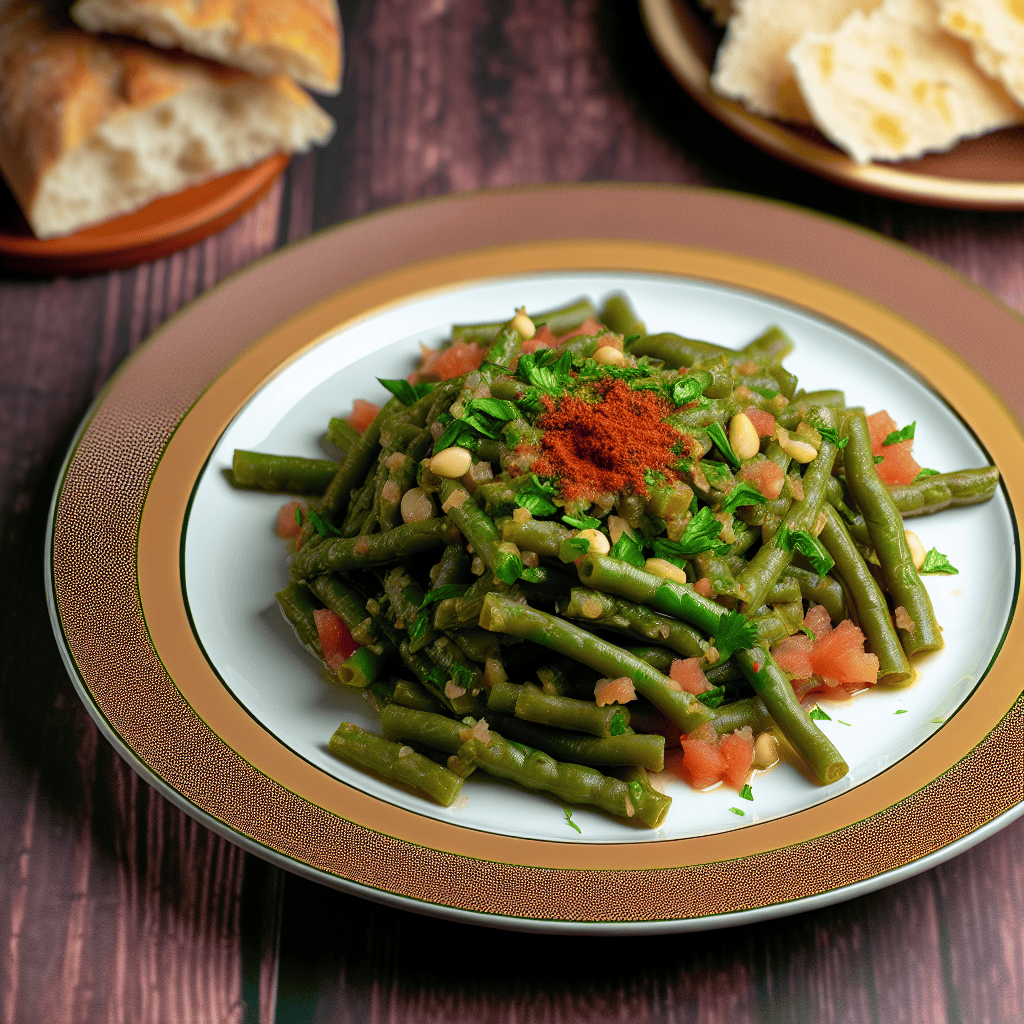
[{"x": 607, "y": 445}]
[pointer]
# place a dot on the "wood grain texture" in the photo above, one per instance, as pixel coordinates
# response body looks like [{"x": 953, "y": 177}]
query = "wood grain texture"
[{"x": 118, "y": 907}]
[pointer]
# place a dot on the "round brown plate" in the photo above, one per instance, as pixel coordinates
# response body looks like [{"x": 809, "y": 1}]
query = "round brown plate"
[
  {"x": 164, "y": 226},
  {"x": 132, "y": 595},
  {"x": 986, "y": 173}
]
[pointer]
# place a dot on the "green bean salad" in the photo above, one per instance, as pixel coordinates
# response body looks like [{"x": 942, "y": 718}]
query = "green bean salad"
[{"x": 571, "y": 554}]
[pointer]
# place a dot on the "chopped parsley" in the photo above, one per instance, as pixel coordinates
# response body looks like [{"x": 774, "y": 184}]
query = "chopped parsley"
[
  {"x": 405, "y": 392},
  {"x": 324, "y": 527},
  {"x": 712, "y": 698},
  {"x": 830, "y": 435},
  {"x": 721, "y": 442},
  {"x": 736, "y": 810},
  {"x": 746, "y": 793},
  {"x": 687, "y": 389},
  {"x": 582, "y": 523},
  {"x": 536, "y": 496},
  {"x": 734, "y": 633},
  {"x": 617, "y": 726},
  {"x": 763, "y": 392},
  {"x": 627, "y": 550},
  {"x": 808, "y": 545},
  {"x": 925, "y": 473},
  {"x": 569, "y": 821},
  {"x": 818, "y": 715},
  {"x": 743, "y": 494},
  {"x": 701, "y": 534},
  {"x": 901, "y": 711},
  {"x": 443, "y": 593},
  {"x": 906, "y": 434},
  {"x": 936, "y": 562}
]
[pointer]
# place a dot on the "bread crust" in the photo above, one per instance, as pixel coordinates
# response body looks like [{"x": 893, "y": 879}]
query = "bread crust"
[
  {"x": 64, "y": 93},
  {"x": 299, "y": 38}
]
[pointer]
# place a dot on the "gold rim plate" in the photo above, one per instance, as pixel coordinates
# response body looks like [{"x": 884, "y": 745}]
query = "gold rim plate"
[{"x": 122, "y": 618}]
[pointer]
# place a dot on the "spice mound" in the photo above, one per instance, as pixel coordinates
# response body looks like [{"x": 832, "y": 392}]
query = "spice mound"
[{"x": 607, "y": 445}]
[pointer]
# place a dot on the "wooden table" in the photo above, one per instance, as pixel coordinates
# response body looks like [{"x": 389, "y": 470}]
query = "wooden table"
[{"x": 118, "y": 907}]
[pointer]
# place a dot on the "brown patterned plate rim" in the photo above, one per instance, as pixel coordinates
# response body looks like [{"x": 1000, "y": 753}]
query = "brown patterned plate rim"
[
  {"x": 681, "y": 34},
  {"x": 165, "y": 766}
]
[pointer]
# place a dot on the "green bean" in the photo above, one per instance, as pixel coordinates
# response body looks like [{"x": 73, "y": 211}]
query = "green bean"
[
  {"x": 288, "y": 474},
  {"x": 435, "y": 680},
  {"x": 571, "y": 783},
  {"x": 342, "y": 434},
  {"x": 503, "y": 696},
  {"x": 749, "y": 712},
  {"x": 804, "y": 403},
  {"x": 821, "y": 590},
  {"x": 945, "y": 490},
  {"x": 505, "y": 348},
  {"x": 771, "y": 346},
  {"x": 559, "y": 321},
  {"x": 613, "y": 576},
  {"x": 765, "y": 568},
  {"x": 452, "y": 567},
  {"x": 505, "y": 616},
  {"x": 885, "y": 524},
  {"x": 772, "y": 686},
  {"x": 632, "y": 619},
  {"x": 534, "y": 705},
  {"x": 298, "y": 609},
  {"x": 618, "y": 315},
  {"x": 539, "y": 535},
  {"x": 346, "y": 553},
  {"x": 412, "y": 695},
  {"x": 676, "y": 351},
  {"x": 363, "y": 667},
  {"x": 395, "y": 762},
  {"x": 499, "y": 556},
  {"x": 872, "y": 611},
  {"x": 348, "y": 604},
  {"x": 642, "y": 749}
]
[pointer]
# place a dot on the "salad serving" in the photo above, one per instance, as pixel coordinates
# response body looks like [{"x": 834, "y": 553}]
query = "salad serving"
[{"x": 570, "y": 554}]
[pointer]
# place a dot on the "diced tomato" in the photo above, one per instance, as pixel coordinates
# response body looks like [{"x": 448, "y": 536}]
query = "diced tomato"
[
  {"x": 765, "y": 475},
  {"x": 288, "y": 519},
  {"x": 542, "y": 339},
  {"x": 443, "y": 364},
  {"x": 335, "y": 639},
  {"x": 839, "y": 655},
  {"x": 817, "y": 620},
  {"x": 792, "y": 655},
  {"x": 738, "y": 751},
  {"x": 588, "y": 327},
  {"x": 704, "y": 587},
  {"x": 614, "y": 691},
  {"x": 898, "y": 465},
  {"x": 362, "y": 414},
  {"x": 701, "y": 764},
  {"x": 689, "y": 675},
  {"x": 764, "y": 422}
]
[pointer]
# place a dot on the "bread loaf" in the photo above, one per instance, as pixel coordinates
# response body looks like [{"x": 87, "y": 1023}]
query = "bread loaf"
[
  {"x": 995, "y": 31},
  {"x": 751, "y": 64},
  {"x": 893, "y": 85},
  {"x": 299, "y": 38},
  {"x": 93, "y": 127}
]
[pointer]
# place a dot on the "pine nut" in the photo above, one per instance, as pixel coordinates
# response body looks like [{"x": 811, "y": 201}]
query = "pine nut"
[
  {"x": 798, "y": 451},
  {"x": 917, "y": 551},
  {"x": 523, "y": 324},
  {"x": 606, "y": 355},
  {"x": 599, "y": 543},
  {"x": 665, "y": 570},
  {"x": 451, "y": 463},
  {"x": 416, "y": 506},
  {"x": 743, "y": 437},
  {"x": 766, "y": 751}
]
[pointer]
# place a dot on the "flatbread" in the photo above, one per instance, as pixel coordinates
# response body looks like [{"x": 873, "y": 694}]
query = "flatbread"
[{"x": 995, "y": 32}]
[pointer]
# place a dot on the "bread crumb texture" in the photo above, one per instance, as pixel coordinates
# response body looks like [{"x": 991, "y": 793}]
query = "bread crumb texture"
[
  {"x": 752, "y": 66},
  {"x": 91, "y": 128},
  {"x": 995, "y": 31},
  {"x": 298, "y": 38},
  {"x": 893, "y": 85}
]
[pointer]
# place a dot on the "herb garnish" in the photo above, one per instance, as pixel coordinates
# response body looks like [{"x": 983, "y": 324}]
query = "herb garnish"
[
  {"x": 734, "y": 633},
  {"x": 627, "y": 550},
  {"x": 906, "y": 434},
  {"x": 924, "y": 473},
  {"x": 405, "y": 392},
  {"x": 808, "y": 545},
  {"x": 582, "y": 522},
  {"x": 831, "y": 435},
  {"x": 746, "y": 793},
  {"x": 743, "y": 494},
  {"x": 536, "y": 496},
  {"x": 936, "y": 562},
  {"x": 721, "y": 442},
  {"x": 701, "y": 534},
  {"x": 819, "y": 715},
  {"x": 569, "y": 821},
  {"x": 736, "y": 810}
]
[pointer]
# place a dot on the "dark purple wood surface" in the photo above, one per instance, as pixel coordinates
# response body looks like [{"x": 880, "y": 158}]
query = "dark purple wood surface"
[{"x": 116, "y": 907}]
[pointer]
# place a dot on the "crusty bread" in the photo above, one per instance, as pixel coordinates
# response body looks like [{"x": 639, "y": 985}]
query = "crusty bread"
[
  {"x": 299, "y": 38},
  {"x": 751, "y": 64},
  {"x": 995, "y": 31},
  {"x": 91, "y": 128},
  {"x": 893, "y": 85}
]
